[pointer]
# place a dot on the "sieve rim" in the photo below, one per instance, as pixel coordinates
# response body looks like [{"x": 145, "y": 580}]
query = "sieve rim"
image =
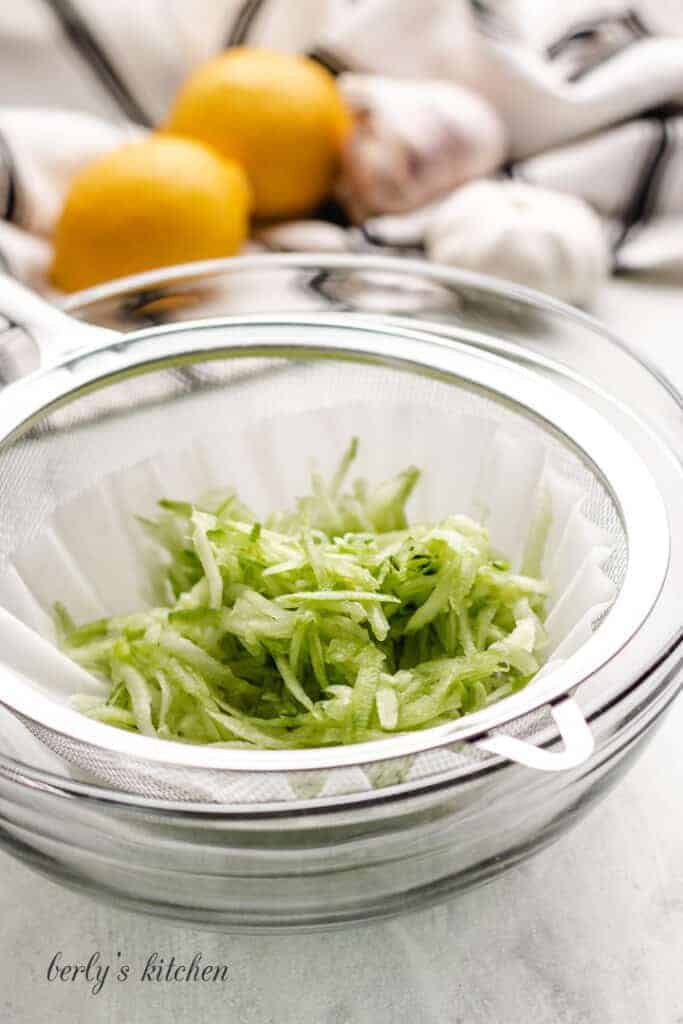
[
  {"x": 631, "y": 487},
  {"x": 262, "y": 812},
  {"x": 77, "y": 303}
]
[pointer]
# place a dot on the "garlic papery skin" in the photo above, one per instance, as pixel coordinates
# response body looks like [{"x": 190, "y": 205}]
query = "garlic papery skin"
[
  {"x": 547, "y": 240},
  {"x": 413, "y": 141}
]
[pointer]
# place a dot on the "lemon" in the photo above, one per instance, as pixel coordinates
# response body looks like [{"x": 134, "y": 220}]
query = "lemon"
[
  {"x": 279, "y": 114},
  {"x": 148, "y": 204}
]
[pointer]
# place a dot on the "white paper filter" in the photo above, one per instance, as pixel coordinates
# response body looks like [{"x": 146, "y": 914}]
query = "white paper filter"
[{"x": 93, "y": 557}]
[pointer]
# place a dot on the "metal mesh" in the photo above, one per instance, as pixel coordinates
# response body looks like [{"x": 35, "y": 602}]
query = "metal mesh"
[
  {"x": 125, "y": 423},
  {"x": 100, "y": 433}
]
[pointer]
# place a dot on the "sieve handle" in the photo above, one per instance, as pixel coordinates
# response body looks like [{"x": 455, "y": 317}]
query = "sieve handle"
[
  {"x": 53, "y": 332},
  {"x": 577, "y": 738}
]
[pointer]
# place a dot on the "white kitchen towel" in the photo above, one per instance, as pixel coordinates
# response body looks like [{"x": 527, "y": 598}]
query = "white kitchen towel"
[
  {"x": 589, "y": 92},
  {"x": 590, "y": 96}
]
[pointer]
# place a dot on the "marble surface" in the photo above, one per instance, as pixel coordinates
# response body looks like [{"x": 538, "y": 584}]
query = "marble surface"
[{"x": 588, "y": 932}]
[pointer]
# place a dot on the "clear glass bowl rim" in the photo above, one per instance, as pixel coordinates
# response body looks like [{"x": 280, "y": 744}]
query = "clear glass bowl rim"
[{"x": 78, "y": 302}]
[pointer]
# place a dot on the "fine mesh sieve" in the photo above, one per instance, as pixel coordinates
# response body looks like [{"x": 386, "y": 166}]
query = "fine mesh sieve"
[{"x": 122, "y": 421}]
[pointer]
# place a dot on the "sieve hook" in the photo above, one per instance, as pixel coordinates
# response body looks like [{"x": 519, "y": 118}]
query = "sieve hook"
[{"x": 576, "y": 735}]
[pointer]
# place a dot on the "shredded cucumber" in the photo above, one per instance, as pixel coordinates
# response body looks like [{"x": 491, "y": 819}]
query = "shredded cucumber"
[{"x": 332, "y": 623}]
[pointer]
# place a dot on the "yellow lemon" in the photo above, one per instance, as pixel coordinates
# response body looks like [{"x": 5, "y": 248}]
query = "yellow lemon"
[
  {"x": 279, "y": 114},
  {"x": 148, "y": 204}
]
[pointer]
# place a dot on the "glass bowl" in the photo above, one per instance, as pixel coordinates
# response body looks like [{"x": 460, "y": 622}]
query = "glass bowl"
[{"x": 329, "y": 861}]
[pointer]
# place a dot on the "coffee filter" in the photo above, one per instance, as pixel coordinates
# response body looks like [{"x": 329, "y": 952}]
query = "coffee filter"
[{"x": 477, "y": 456}]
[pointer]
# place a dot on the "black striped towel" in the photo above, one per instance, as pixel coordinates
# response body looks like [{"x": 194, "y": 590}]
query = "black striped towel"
[{"x": 590, "y": 93}]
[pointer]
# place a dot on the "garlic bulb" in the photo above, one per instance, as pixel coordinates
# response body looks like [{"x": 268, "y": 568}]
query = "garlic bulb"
[
  {"x": 413, "y": 141},
  {"x": 547, "y": 240}
]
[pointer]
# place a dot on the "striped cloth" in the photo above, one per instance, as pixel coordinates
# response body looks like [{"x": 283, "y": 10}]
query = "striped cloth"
[{"x": 590, "y": 93}]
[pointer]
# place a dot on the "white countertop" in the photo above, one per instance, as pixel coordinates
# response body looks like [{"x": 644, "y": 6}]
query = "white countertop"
[{"x": 588, "y": 932}]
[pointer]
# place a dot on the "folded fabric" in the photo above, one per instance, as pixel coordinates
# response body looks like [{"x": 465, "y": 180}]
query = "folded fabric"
[
  {"x": 40, "y": 151},
  {"x": 593, "y": 112},
  {"x": 589, "y": 98}
]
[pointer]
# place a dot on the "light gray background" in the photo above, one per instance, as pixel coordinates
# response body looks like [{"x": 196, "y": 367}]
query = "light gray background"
[{"x": 588, "y": 932}]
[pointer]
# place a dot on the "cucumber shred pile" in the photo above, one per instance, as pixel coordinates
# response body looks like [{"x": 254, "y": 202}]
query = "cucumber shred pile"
[{"x": 336, "y": 622}]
